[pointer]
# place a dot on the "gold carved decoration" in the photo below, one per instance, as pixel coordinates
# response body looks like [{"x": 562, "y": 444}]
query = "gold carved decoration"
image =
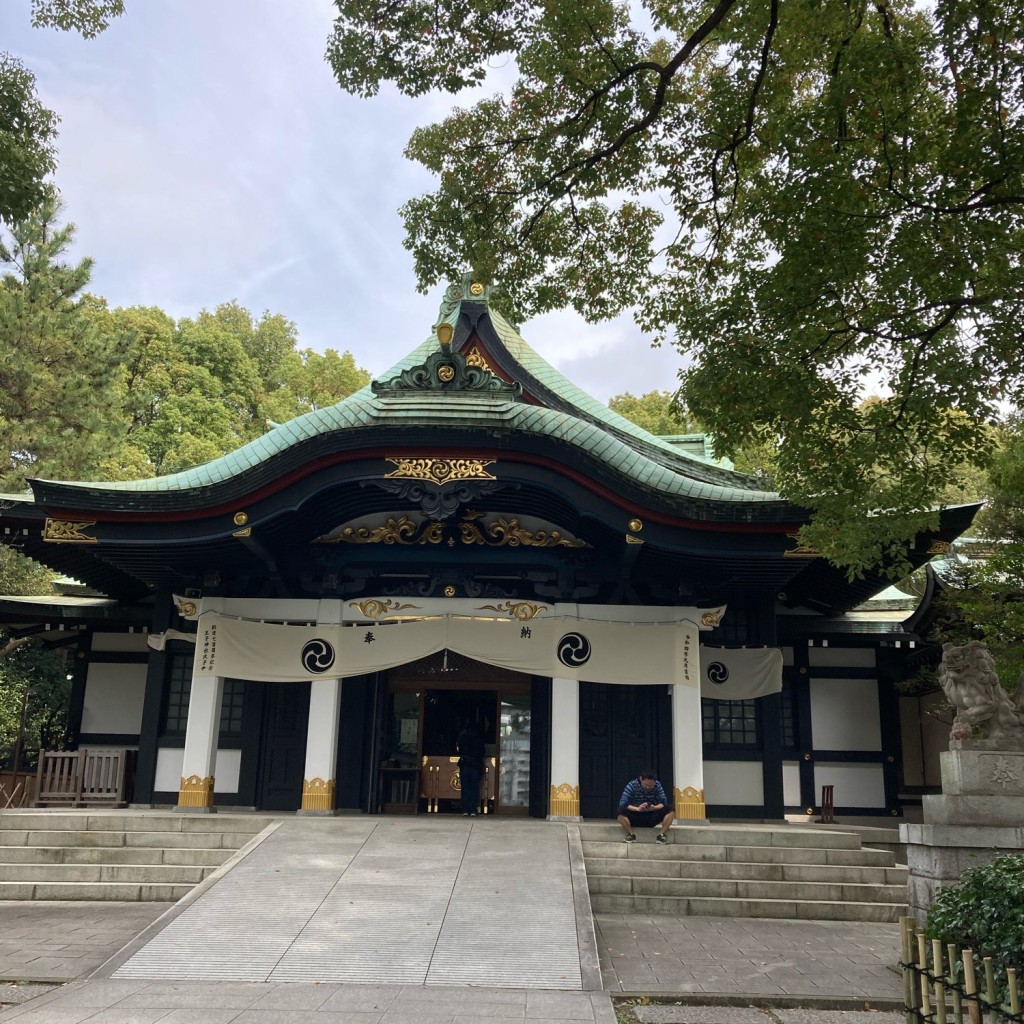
[
  {"x": 241, "y": 518},
  {"x": 449, "y": 591},
  {"x": 939, "y": 547},
  {"x": 508, "y": 533},
  {"x": 318, "y": 794},
  {"x": 521, "y": 610},
  {"x": 710, "y": 619},
  {"x": 439, "y": 471},
  {"x": 636, "y": 525},
  {"x": 689, "y": 803},
  {"x": 196, "y": 791},
  {"x": 445, "y": 333},
  {"x": 801, "y": 550},
  {"x": 247, "y": 532},
  {"x": 62, "y": 531},
  {"x": 474, "y": 357},
  {"x": 186, "y": 607},
  {"x": 374, "y": 608},
  {"x": 564, "y": 801},
  {"x": 394, "y": 531},
  {"x": 476, "y": 288},
  {"x": 445, "y": 373},
  {"x": 630, "y": 539}
]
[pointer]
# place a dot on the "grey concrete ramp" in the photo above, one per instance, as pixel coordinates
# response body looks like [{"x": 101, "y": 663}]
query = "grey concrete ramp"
[{"x": 413, "y": 901}]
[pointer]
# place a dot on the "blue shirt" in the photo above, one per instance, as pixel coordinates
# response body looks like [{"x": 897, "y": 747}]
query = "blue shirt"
[{"x": 635, "y": 794}]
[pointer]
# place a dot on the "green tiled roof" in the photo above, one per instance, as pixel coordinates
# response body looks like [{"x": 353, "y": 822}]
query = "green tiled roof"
[{"x": 582, "y": 423}]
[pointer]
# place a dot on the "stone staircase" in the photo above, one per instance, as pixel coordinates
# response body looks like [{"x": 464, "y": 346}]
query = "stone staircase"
[
  {"x": 765, "y": 871},
  {"x": 115, "y": 855}
]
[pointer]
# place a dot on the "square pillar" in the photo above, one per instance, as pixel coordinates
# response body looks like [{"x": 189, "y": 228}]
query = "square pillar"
[
  {"x": 201, "y": 732},
  {"x": 318, "y": 782},
  {"x": 564, "y": 802},
  {"x": 688, "y": 754}
]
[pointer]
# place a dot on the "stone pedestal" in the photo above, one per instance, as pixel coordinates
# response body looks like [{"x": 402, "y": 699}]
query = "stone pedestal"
[{"x": 978, "y": 817}]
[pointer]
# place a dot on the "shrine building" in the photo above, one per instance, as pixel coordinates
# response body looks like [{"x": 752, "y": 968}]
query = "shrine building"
[{"x": 306, "y": 623}]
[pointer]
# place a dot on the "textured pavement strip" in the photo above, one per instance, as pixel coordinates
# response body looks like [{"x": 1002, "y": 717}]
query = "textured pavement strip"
[
  {"x": 318, "y": 901},
  {"x": 753, "y": 1015}
]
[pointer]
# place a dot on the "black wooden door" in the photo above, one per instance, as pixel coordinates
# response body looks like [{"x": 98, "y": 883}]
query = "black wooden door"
[
  {"x": 283, "y": 750},
  {"x": 620, "y": 735}
]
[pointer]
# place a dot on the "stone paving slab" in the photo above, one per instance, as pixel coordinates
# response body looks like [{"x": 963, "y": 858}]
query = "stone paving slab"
[
  {"x": 133, "y": 1002},
  {"x": 661, "y": 1014},
  {"x": 660, "y": 955},
  {"x": 60, "y": 941}
]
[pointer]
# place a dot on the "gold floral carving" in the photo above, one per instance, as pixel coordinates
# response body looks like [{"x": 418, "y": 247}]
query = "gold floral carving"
[
  {"x": 521, "y": 610},
  {"x": 374, "y": 608},
  {"x": 689, "y": 803},
  {"x": 710, "y": 619},
  {"x": 196, "y": 791},
  {"x": 318, "y": 794},
  {"x": 938, "y": 547},
  {"x": 439, "y": 471},
  {"x": 564, "y": 801},
  {"x": 186, "y": 607},
  {"x": 502, "y": 533},
  {"x": 247, "y": 532},
  {"x": 474, "y": 357},
  {"x": 62, "y": 531},
  {"x": 394, "y": 531}
]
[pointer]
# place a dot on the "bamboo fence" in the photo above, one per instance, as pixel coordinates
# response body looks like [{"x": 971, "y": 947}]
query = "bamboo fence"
[{"x": 941, "y": 985}]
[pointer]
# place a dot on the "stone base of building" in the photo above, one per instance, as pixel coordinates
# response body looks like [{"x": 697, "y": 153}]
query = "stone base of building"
[{"x": 938, "y": 855}]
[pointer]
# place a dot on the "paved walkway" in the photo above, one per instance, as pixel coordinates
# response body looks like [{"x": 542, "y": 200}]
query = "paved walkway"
[{"x": 735, "y": 963}]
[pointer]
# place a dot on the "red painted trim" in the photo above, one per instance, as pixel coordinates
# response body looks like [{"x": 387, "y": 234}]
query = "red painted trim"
[{"x": 498, "y": 455}]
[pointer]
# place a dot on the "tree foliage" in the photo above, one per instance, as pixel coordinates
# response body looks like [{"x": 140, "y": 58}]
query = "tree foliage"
[
  {"x": 43, "y": 673},
  {"x": 57, "y": 369},
  {"x": 28, "y": 130},
  {"x": 656, "y": 412},
  {"x": 812, "y": 200}
]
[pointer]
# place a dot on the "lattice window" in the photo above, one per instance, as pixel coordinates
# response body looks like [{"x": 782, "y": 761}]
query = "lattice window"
[
  {"x": 730, "y": 723},
  {"x": 179, "y": 690}
]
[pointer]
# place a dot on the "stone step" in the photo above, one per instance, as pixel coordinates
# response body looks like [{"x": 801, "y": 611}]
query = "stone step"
[
  {"x": 188, "y": 856},
  {"x": 787, "y": 836},
  {"x": 140, "y": 874},
  {"x": 680, "y": 849},
  {"x": 125, "y": 892},
  {"x": 792, "y": 910},
  {"x": 77, "y": 837},
  {"x": 747, "y": 889},
  {"x": 654, "y": 867},
  {"x": 131, "y": 821}
]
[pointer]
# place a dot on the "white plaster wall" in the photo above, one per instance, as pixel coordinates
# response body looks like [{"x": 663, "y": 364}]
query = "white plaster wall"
[
  {"x": 168, "y": 770},
  {"x": 791, "y": 783},
  {"x": 844, "y": 714},
  {"x": 856, "y": 785},
  {"x": 733, "y": 782},
  {"x": 133, "y": 642},
  {"x": 113, "y": 698},
  {"x": 841, "y": 657}
]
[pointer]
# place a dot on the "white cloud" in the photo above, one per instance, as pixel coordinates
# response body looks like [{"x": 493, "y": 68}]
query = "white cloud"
[{"x": 206, "y": 153}]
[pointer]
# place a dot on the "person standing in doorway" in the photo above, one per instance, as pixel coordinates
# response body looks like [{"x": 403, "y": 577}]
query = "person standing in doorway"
[
  {"x": 643, "y": 804},
  {"x": 470, "y": 748}
]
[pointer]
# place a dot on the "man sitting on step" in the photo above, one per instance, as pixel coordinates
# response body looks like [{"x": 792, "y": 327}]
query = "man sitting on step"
[{"x": 643, "y": 804}]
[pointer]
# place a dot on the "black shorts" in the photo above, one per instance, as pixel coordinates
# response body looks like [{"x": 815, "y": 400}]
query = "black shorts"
[{"x": 645, "y": 819}]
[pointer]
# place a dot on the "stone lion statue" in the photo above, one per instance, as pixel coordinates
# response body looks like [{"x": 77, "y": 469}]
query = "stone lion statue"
[{"x": 987, "y": 718}]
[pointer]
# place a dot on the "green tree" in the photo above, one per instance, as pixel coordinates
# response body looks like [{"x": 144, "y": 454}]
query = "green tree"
[
  {"x": 657, "y": 412},
  {"x": 28, "y": 130},
  {"x": 57, "y": 369},
  {"x": 812, "y": 200},
  {"x": 43, "y": 673}
]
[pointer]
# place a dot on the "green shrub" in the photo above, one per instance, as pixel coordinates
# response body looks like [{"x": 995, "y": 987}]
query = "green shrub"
[{"x": 985, "y": 912}]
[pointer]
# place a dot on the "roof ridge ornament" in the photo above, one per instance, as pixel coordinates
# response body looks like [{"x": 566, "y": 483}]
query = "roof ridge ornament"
[{"x": 445, "y": 369}]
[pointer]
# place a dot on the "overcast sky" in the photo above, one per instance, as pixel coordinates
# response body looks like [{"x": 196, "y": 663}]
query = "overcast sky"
[{"x": 207, "y": 154}]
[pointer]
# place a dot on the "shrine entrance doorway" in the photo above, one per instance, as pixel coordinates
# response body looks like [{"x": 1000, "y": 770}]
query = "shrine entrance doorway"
[{"x": 426, "y": 706}]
